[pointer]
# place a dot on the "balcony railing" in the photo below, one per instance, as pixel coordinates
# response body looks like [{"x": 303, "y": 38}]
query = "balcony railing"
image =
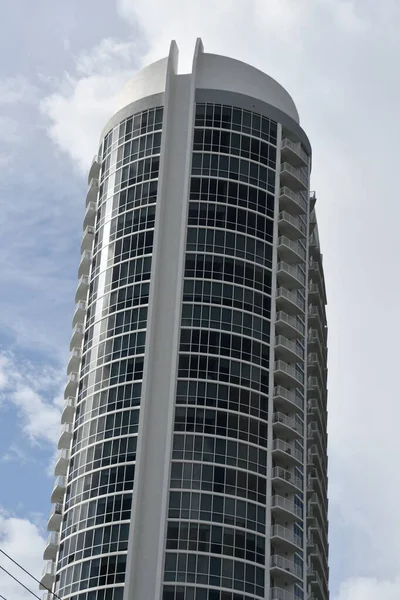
[
  {"x": 291, "y": 226},
  {"x": 280, "y": 419},
  {"x": 288, "y": 325},
  {"x": 90, "y": 215},
  {"x": 291, "y": 250},
  {"x": 286, "y": 534},
  {"x": 80, "y": 312},
  {"x": 294, "y": 152},
  {"x": 286, "y": 505},
  {"x": 87, "y": 239},
  {"x": 66, "y": 436},
  {"x": 289, "y": 349},
  {"x": 285, "y": 476},
  {"x": 294, "y": 177},
  {"x": 68, "y": 412},
  {"x": 59, "y": 490},
  {"x": 82, "y": 289},
  {"x": 77, "y": 336},
  {"x": 291, "y": 276},
  {"x": 288, "y": 450},
  {"x": 74, "y": 360},
  {"x": 280, "y": 562},
  {"x": 51, "y": 548},
  {"x": 289, "y": 399},
  {"x": 94, "y": 170},
  {"x": 84, "y": 265},
  {"x": 48, "y": 576},
  {"x": 72, "y": 385},
  {"x": 287, "y": 374},
  {"x": 294, "y": 202},
  {"x": 55, "y": 518},
  {"x": 290, "y": 301},
  {"x": 277, "y": 593},
  {"x": 62, "y": 462}
]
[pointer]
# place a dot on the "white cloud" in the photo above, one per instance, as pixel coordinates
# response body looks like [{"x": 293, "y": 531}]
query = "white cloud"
[
  {"x": 35, "y": 393},
  {"x": 85, "y": 100},
  {"x": 21, "y": 539},
  {"x": 367, "y": 588},
  {"x": 16, "y": 89}
]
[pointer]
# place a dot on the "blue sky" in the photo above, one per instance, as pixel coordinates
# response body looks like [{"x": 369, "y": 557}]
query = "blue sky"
[{"x": 338, "y": 59}]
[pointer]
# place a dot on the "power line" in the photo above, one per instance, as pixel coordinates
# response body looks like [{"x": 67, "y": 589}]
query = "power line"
[
  {"x": 2, "y": 597},
  {"x": 20, "y": 583},
  {"x": 30, "y": 574}
]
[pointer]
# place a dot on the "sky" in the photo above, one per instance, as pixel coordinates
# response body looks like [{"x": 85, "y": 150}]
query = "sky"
[{"x": 338, "y": 60}]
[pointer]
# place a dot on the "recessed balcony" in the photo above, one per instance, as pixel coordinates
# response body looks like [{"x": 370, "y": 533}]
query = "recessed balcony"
[
  {"x": 80, "y": 313},
  {"x": 286, "y": 452},
  {"x": 295, "y": 178},
  {"x": 315, "y": 529},
  {"x": 62, "y": 462},
  {"x": 287, "y": 426},
  {"x": 82, "y": 289},
  {"x": 93, "y": 190},
  {"x": 290, "y": 226},
  {"x": 87, "y": 239},
  {"x": 293, "y": 153},
  {"x": 286, "y": 400},
  {"x": 292, "y": 202},
  {"x": 90, "y": 215},
  {"x": 285, "y": 538},
  {"x": 55, "y": 518},
  {"x": 288, "y": 325},
  {"x": 84, "y": 265},
  {"x": 285, "y": 570},
  {"x": 72, "y": 385},
  {"x": 67, "y": 415},
  {"x": 290, "y": 251},
  {"x": 318, "y": 558},
  {"x": 66, "y": 436},
  {"x": 313, "y": 220},
  {"x": 278, "y": 593},
  {"x": 285, "y": 481},
  {"x": 285, "y": 509},
  {"x": 287, "y": 375},
  {"x": 48, "y": 576},
  {"x": 74, "y": 361},
  {"x": 289, "y": 302},
  {"x": 316, "y": 583},
  {"x": 94, "y": 170},
  {"x": 290, "y": 276},
  {"x": 51, "y": 548},
  {"x": 288, "y": 350},
  {"x": 59, "y": 488},
  {"x": 315, "y": 485},
  {"x": 77, "y": 336},
  {"x": 313, "y": 200},
  {"x": 314, "y": 343}
]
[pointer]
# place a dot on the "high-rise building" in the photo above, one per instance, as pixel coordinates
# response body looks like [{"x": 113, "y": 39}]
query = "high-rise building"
[{"x": 193, "y": 461}]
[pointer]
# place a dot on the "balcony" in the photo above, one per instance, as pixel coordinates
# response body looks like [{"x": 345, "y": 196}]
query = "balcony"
[
  {"x": 84, "y": 265},
  {"x": 66, "y": 436},
  {"x": 315, "y": 505},
  {"x": 316, "y": 436},
  {"x": 286, "y": 482},
  {"x": 74, "y": 361},
  {"x": 288, "y": 350},
  {"x": 316, "y": 582},
  {"x": 289, "y": 276},
  {"x": 283, "y": 568},
  {"x": 291, "y": 252},
  {"x": 294, "y": 178},
  {"x": 59, "y": 488},
  {"x": 79, "y": 314},
  {"x": 289, "y": 326},
  {"x": 62, "y": 462},
  {"x": 87, "y": 239},
  {"x": 315, "y": 529},
  {"x": 314, "y": 343},
  {"x": 313, "y": 220},
  {"x": 51, "y": 548},
  {"x": 285, "y": 538},
  {"x": 67, "y": 415},
  {"x": 313, "y": 200},
  {"x": 277, "y": 593},
  {"x": 55, "y": 518},
  {"x": 315, "y": 485},
  {"x": 93, "y": 190},
  {"x": 286, "y": 375},
  {"x": 319, "y": 559},
  {"x": 287, "y": 452},
  {"x": 293, "y": 202},
  {"x": 287, "y": 426},
  {"x": 293, "y": 152},
  {"x": 290, "y": 226},
  {"x": 77, "y": 336},
  {"x": 314, "y": 390},
  {"x": 48, "y": 576},
  {"x": 94, "y": 170},
  {"x": 286, "y": 400},
  {"x": 90, "y": 215},
  {"x": 82, "y": 289},
  {"x": 285, "y": 509},
  {"x": 72, "y": 385},
  {"x": 289, "y": 302}
]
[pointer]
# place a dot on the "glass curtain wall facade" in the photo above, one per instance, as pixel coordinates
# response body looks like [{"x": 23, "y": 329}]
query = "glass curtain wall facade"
[{"x": 241, "y": 464}]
